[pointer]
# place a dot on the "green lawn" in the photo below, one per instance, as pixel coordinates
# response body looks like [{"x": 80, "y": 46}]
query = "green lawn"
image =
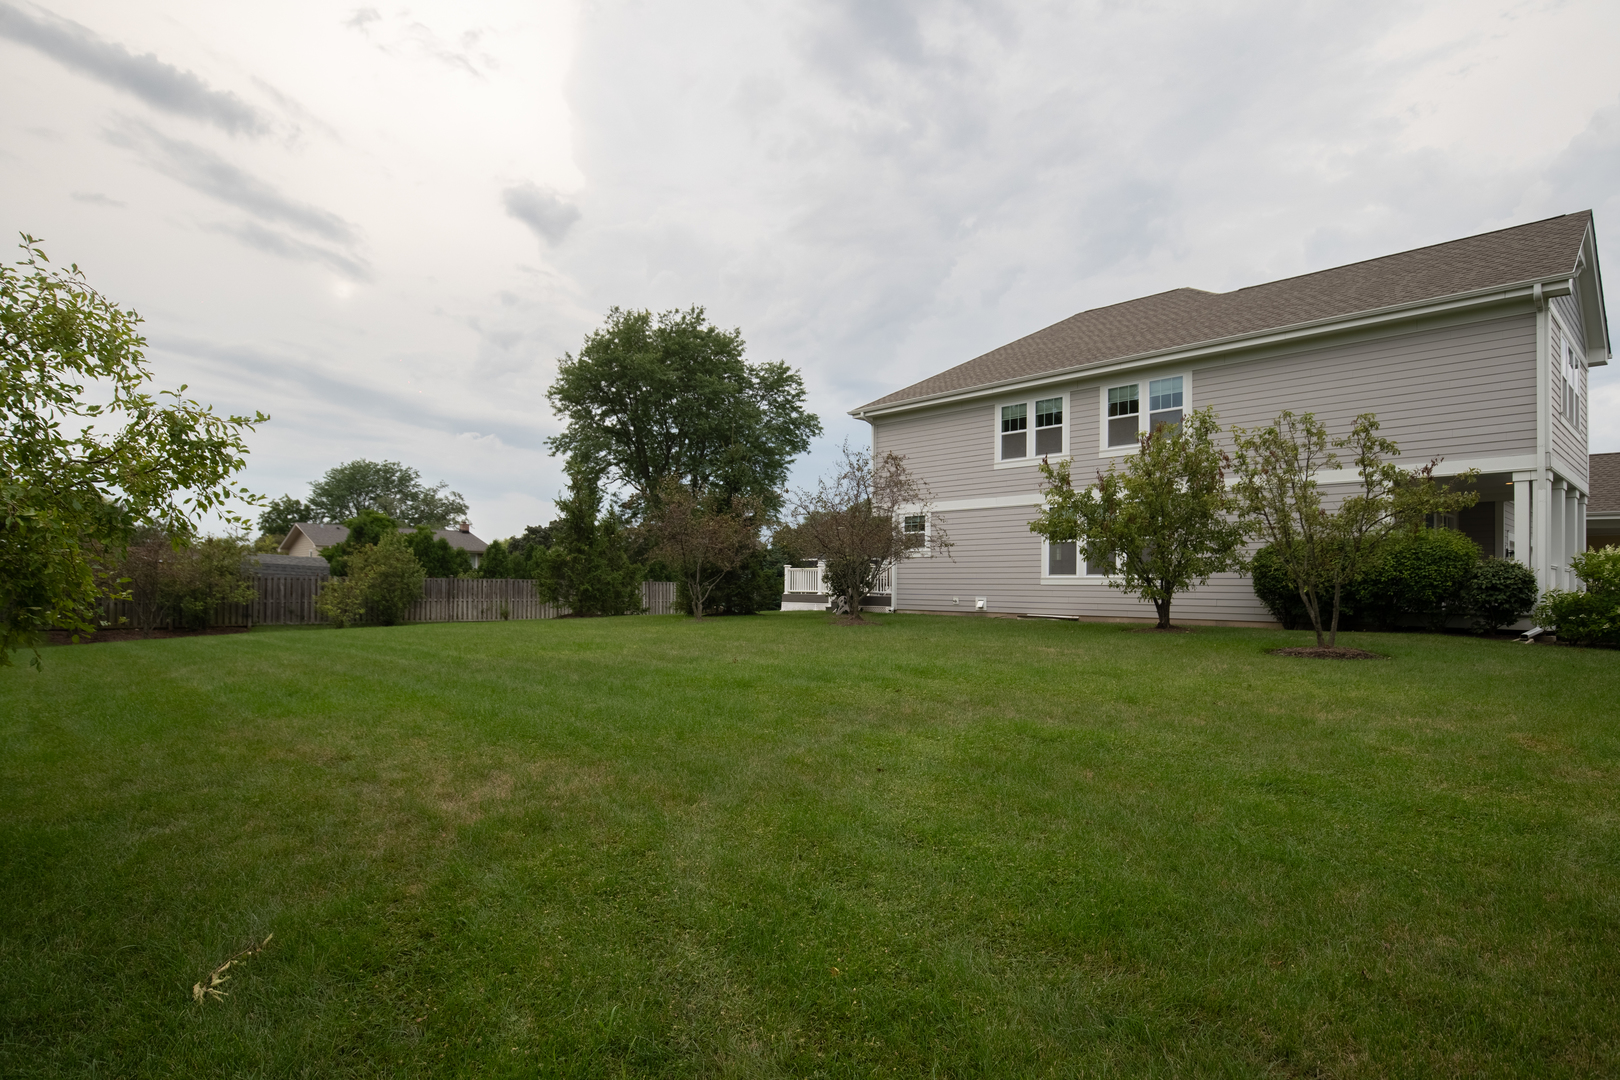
[{"x": 775, "y": 846}]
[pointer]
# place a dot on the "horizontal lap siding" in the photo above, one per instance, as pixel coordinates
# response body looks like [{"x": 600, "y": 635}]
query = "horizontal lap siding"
[
  {"x": 994, "y": 555},
  {"x": 1458, "y": 391},
  {"x": 1569, "y": 441},
  {"x": 1452, "y": 392}
]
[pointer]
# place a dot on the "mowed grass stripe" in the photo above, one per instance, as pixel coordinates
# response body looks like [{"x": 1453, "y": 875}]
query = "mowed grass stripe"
[{"x": 777, "y": 846}]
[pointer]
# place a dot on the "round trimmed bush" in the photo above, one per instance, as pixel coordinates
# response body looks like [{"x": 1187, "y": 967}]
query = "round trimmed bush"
[
  {"x": 1421, "y": 574},
  {"x": 1500, "y": 593}
]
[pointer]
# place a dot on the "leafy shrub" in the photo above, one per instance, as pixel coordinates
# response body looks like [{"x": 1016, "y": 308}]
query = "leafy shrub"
[
  {"x": 1500, "y": 593},
  {"x": 1591, "y": 617},
  {"x": 384, "y": 581},
  {"x": 1599, "y": 570},
  {"x": 1419, "y": 574},
  {"x": 366, "y": 529},
  {"x": 437, "y": 556},
  {"x": 390, "y": 579},
  {"x": 1274, "y": 587},
  {"x": 342, "y": 602},
  {"x": 183, "y": 587}
]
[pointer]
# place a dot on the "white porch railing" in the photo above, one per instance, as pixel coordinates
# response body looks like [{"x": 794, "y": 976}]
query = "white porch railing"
[
  {"x": 801, "y": 579},
  {"x": 807, "y": 579}
]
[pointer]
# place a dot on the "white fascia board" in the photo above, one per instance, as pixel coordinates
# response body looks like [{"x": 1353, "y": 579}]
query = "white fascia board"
[{"x": 1557, "y": 286}]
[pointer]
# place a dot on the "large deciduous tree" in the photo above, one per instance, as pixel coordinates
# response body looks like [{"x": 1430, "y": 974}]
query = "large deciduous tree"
[
  {"x": 1321, "y": 549},
  {"x": 386, "y": 487},
  {"x": 861, "y": 521},
  {"x": 1164, "y": 521},
  {"x": 671, "y": 395},
  {"x": 88, "y": 452}
]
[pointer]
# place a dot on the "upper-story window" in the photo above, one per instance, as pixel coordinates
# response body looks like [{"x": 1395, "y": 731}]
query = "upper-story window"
[
  {"x": 1013, "y": 442},
  {"x": 1048, "y": 426},
  {"x": 1126, "y": 420},
  {"x": 1014, "y": 431},
  {"x": 1572, "y": 383}
]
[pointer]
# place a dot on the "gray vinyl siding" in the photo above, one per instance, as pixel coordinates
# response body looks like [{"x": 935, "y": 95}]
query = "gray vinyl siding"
[
  {"x": 1459, "y": 391},
  {"x": 1569, "y": 309},
  {"x": 994, "y": 555},
  {"x": 1569, "y": 441}
]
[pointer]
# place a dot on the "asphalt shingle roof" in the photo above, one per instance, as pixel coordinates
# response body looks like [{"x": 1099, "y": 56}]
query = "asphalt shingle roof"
[
  {"x": 324, "y": 535},
  {"x": 1183, "y": 317},
  {"x": 1605, "y": 496}
]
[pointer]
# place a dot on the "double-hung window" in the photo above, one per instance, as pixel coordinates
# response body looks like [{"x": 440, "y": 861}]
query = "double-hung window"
[
  {"x": 1063, "y": 561},
  {"x": 1014, "y": 431},
  {"x": 1048, "y": 426},
  {"x": 915, "y": 529},
  {"x": 1124, "y": 415},
  {"x": 1127, "y": 421}
]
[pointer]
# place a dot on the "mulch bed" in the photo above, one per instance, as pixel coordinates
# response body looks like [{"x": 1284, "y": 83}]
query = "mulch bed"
[
  {"x": 124, "y": 633},
  {"x": 1324, "y": 652},
  {"x": 1161, "y": 630}
]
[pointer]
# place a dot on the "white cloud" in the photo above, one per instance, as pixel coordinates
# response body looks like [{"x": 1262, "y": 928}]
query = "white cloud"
[{"x": 872, "y": 191}]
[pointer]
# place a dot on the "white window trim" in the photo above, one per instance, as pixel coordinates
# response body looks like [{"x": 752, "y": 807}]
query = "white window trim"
[
  {"x": 1141, "y": 379},
  {"x": 1080, "y": 578},
  {"x": 1031, "y": 459},
  {"x": 924, "y": 552}
]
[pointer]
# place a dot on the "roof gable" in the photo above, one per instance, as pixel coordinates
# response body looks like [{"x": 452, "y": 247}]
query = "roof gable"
[{"x": 1184, "y": 317}]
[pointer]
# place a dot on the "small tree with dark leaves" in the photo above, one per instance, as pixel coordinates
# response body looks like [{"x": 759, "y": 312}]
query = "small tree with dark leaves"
[
  {"x": 855, "y": 522},
  {"x": 700, "y": 535}
]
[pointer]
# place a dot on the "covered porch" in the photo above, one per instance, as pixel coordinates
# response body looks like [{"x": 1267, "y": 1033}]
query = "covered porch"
[{"x": 803, "y": 590}]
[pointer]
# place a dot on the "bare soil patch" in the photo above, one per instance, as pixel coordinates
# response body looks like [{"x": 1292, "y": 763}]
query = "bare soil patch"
[{"x": 1325, "y": 652}]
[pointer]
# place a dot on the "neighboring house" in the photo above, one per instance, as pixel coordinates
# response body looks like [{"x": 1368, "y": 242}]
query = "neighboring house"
[
  {"x": 300, "y": 566},
  {"x": 308, "y": 538},
  {"x": 1603, "y": 513},
  {"x": 1474, "y": 351}
]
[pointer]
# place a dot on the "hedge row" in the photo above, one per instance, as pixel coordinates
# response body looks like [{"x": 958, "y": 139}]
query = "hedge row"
[{"x": 1427, "y": 577}]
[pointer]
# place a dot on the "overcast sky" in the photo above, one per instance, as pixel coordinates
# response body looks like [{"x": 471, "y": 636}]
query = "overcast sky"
[{"x": 383, "y": 225}]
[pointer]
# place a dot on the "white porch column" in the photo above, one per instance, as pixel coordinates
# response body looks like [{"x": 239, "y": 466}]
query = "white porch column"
[
  {"x": 1557, "y": 547},
  {"x": 1580, "y": 523},
  {"x": 1540, "y": 534},
  {"x": 1521, "y": 517},
  {"x": 1572, "y": 543}
]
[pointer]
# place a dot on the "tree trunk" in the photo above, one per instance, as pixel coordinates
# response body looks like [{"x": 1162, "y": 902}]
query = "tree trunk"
[
  {"x": 1313, "y": 608},
  {"x": 1163, "y": 608},
  {"x": 1333, "y": 635}
]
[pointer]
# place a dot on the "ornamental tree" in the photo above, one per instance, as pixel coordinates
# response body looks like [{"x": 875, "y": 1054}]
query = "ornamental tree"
[
  {"x": 861, "y": 521},
  {"x": 88, "y": 453},
  {"x": 1324, "y": 550},
  {"x": 701, "y": 535},
  {"x": 1165, "y": 521}
]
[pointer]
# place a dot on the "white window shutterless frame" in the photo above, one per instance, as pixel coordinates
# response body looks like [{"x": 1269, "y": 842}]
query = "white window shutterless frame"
[
  {"x": 1132, "y": 408},
  {"x": 1062, "y": 563},
  {"x": 1031, "y": 429}
]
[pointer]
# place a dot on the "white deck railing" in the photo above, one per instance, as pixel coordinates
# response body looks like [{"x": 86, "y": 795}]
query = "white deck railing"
[{"x": 807, "y": 579}]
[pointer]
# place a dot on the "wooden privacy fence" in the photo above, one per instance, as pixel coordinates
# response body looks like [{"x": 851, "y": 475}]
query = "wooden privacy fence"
[{"x": 290, "y": 601}]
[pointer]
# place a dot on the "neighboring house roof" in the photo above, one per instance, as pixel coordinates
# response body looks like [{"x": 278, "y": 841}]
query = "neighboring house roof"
[
  {"x": 290, "y": 566},
  {"x": 1179, "y": 318},
  {"x": 1605, "y": 496},
  {"x": 324, "y": 536},
  {"x": 320, "y": 534}
]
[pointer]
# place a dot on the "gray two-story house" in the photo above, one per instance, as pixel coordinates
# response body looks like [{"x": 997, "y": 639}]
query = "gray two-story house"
[{"x": 1474, "y": 351}]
